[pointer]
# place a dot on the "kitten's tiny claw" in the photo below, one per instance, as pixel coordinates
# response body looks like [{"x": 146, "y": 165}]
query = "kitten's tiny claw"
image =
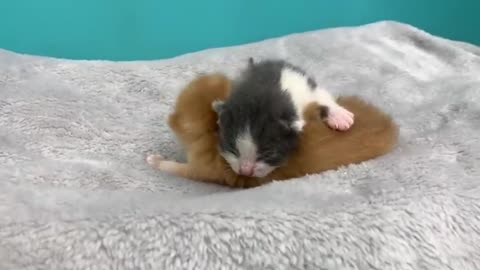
[{"x": 340, "y": 118}]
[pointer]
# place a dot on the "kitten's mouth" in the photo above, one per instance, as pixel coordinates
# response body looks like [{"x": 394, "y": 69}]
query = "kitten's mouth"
[{"x": 253, "y": 169}]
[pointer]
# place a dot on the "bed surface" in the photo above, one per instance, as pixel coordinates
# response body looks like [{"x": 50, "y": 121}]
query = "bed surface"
[{"x": 76, "y": 193}]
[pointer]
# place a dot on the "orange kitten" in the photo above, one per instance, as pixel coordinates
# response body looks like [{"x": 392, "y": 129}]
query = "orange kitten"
[
  {"x": 321, "y": 148},
  {"x": 194, "y": 122}
]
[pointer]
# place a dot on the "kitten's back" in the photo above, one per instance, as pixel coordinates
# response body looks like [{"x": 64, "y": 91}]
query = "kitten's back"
[
  {"x": 193, "y": 115},
  {"x": 194, "y": 123}
]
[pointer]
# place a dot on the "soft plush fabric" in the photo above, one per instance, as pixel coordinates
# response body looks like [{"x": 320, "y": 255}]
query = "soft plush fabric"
[{"x": 75, "y": 192}]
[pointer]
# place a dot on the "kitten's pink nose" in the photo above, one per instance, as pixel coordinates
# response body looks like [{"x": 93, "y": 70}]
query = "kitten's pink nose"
[{"x": 247, "y": 168}]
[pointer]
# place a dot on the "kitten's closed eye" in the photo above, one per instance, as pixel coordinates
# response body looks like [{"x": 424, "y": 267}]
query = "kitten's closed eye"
[
  {"x": 265, "y": 154},
  {"x": 231, "y": 150},
  {"x": 234, "y": 153},
  {"x": 271, "y": 157}
]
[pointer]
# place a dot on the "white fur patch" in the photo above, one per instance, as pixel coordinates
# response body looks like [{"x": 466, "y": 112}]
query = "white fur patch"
[
  {"x": 296, "y": 85},
  {"x": 323, "y": 97},
  {"x": 232, "y": 160},
  {"x": 298, "y": 125},
  {"x": 246, "y": 146},
  {"x": 247, "y": 151},
  {"x": 262, "y": 169}
]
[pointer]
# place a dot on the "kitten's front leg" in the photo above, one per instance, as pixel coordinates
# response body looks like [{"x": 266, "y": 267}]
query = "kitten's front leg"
[{"x": 336, "y": 116}]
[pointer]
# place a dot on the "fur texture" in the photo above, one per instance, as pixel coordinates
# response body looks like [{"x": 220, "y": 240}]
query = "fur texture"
[
  {"x": 261, "y": 121},
  {"x": 321, "y": 148},
  {"x": 195, "y": 124}
]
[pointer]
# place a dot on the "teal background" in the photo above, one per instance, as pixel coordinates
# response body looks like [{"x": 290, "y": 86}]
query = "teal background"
[{"x": 153, "y": 29}]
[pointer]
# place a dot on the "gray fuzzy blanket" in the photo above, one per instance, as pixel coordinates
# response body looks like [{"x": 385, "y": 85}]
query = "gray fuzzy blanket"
[{"x": 75, "y": 192}]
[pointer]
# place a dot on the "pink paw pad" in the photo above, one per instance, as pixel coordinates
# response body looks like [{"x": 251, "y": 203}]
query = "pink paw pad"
[{"x": 340, "y": 118}]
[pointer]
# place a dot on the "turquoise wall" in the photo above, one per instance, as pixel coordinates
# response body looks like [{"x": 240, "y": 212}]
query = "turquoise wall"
[{"x": 152, "y": 29}]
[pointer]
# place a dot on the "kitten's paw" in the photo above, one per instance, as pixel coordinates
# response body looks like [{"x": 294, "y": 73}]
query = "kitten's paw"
[
  {"x": 154, "y": 160},
  {"x": 298, "y": 125},
  {"x": 340, "y": 118}
]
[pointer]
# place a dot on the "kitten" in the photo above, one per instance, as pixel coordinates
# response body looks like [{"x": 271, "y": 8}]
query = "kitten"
[
  {"x": 260, "y": 123},
  {"x": 320, "y": 148},
  {"x": 194, "y": 123}
]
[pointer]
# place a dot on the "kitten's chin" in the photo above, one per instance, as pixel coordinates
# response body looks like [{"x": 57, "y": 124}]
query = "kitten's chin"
[
  {"x": 260, "y": 175},
  {"x": 262, "y": 169}
]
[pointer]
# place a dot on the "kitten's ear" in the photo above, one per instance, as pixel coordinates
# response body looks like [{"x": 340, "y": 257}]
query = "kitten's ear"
[
  {"x": 251, "y": 62},
  {"x": 218, "y": 106}
]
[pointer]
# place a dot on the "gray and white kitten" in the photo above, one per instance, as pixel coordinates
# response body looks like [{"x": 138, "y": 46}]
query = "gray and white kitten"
[{"x": 260, "y": 123}]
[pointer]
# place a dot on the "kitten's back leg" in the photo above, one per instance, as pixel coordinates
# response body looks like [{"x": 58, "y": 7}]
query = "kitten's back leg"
[
  {"x": 168, "y": 166},
  {"x": 185, "y": 170}
]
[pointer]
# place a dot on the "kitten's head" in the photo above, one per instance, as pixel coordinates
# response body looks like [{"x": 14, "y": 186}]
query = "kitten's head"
[
  {"x": 193, "y": 115},
  {"x": 254, "y": 146}
]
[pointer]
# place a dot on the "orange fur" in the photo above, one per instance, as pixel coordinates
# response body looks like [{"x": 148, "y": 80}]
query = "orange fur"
[
  {"x": 195, "y": 124},
  {"x": 321, "y": 148}
]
